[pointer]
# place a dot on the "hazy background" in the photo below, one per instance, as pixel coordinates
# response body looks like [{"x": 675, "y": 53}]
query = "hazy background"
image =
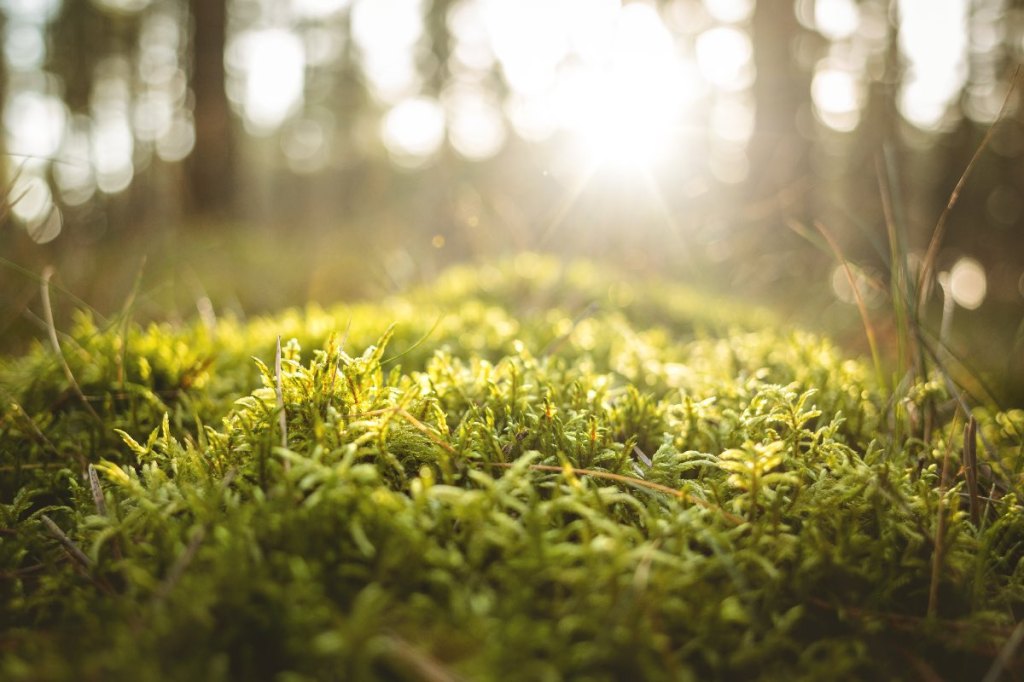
[{"x": 260, "y": 153}]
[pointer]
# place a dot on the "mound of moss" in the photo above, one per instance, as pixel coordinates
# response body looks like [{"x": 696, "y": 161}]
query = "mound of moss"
[{"x": 525, "y": 472}]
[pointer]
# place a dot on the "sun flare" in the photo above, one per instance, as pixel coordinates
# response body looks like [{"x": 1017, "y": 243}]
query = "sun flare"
[{"x": 625, "y": 108}]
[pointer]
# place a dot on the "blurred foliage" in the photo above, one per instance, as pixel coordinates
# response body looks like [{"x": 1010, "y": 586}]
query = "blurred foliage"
[
  {"x": 354, "y": 161},
  {"x": 522, "y": 472}
]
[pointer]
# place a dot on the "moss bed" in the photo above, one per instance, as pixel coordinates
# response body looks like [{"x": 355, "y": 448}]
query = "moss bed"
[{"x": 522, "y": 472}]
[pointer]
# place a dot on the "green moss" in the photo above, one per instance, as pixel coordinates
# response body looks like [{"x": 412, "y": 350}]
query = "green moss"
[{"x": 523, "y": 472}]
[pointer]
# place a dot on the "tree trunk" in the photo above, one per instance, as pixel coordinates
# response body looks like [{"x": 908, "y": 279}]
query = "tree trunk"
[{"x": 211, "y": 166}]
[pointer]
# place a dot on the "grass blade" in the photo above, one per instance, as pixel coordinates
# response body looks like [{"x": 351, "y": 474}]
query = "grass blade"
[
  {"x": 970, "y": 464},
  {"x": 928, "y": 264}
]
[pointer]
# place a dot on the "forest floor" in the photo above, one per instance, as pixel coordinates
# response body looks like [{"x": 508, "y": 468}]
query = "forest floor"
[{"x": 529, "y": 471}]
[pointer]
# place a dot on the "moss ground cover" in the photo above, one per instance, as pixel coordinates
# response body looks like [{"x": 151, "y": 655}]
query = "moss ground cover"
[{"x": 521, "y": 472}]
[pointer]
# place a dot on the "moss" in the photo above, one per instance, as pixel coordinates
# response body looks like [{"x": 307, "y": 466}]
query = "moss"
[{"x": 522, "y": 472}]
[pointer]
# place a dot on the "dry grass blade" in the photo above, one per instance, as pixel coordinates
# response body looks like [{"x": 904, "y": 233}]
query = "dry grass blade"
[
  {"x": 607, "y": 475},
  {"x": 928, "y": 264},
  {"x": 901, "y": 287},
  {"x": 19, "y": 413},
  {"x": 925, "y": 672},
  {"x": 336, "y": 351},
  {"x": 1006, "y": 654},
  {"x": 97, "y": 492},
  {"x": 177, "y": 570},
  {"x": 66, "y": 542},
  {"x": 869, "y": 329},
  {"x": 419, "y": 426},
  {"x": 629, "y": 480},
  {"x": 958, "y": 635},
  {"x": 55, "y": 343},
  {"x": 182, "y": 562},
  {"x": 5, "y": 203},
  {"x": 122, "y": 357},
  {"x": 557, "y": 343},
  {"x": 421, "y": 665},
  {"x": 970, "y": 464},
  {"x": 101, "y": 506},
  {"x": 420, "y": 341}
]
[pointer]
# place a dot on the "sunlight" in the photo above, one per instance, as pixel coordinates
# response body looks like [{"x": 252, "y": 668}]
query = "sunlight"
[
  {"x": 732, "y": 119},
  {"x": 724, "y": 55},
  {"x": 631, "y": 113},
  {"x": 318, "y": 9},
  {"x": 475, "y": 126},
  {"x": 837, "y": 97},
  {"x": 836, "y": 19},
  {"x": 933, "y": 38},
  {"x": 387, "y": 32},
  {"x": 34, "y": 123},
  {"x": 112, "y": 148},
  {"x": 528, "y": 42},
  {"x": 123, "y": 6},
  {"x": 413, "y": 131},
  {"x": 268, "y": 69},
  {"x": 32, "y": 11},
  {"x": 74, "y": 175},
  {"x": 730, "y": 11},
  {"x": 471, "y": 49},
  {"x": 24, "y": 46},
  {"x": 609, "y": 76},
  {"x": 590, "y": 26}
]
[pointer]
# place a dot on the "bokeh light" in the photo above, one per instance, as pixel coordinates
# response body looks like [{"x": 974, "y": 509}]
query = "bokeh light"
[
  {"x": 34, "y": 124},
  {"x": 24, "y": 46},
  {"x": 33, "y": 206},
  {"x": 476, "y": 127},
  {"x": 863, "y": 279},
  {"x": 123, "y": 6},
  {"x": 74, "y": 173},
  {"x": 413, "y": 131},
  {"x": 933, "y": 39},
  {"x": 837, "y": 96},
  {"x": 31, "y": 11},
  {"x": 730, "y": 11},
  {"x": 268, "y": 69},
  {"x": 386, "y": 32},
  {"x": 968, "y": 283},
  {"x": 318, "y": 9},
  {"x": 836, "y": 19},
  {"x": 724, "y": 55},
  {"x": 306, "y": 141}
]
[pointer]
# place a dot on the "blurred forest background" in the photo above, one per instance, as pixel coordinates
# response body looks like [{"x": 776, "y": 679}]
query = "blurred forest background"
[{"x": 261, "y": 153}]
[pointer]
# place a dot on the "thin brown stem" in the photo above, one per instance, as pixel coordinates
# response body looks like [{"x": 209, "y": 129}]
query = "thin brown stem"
[
  {"x": 66, "y": 542},
  {"x": 628, "y": 480},
  {"x": 869, "y": 329},
  {"x": 51, "y": 328},
  {"x": 928, "y": 264}
]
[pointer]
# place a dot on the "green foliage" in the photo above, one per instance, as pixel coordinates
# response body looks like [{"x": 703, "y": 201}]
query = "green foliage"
[{"x": 478, "y": 481}]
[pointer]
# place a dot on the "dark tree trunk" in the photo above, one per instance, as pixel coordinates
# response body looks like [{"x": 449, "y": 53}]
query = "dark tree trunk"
[{"x": 211, "y": 166}]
